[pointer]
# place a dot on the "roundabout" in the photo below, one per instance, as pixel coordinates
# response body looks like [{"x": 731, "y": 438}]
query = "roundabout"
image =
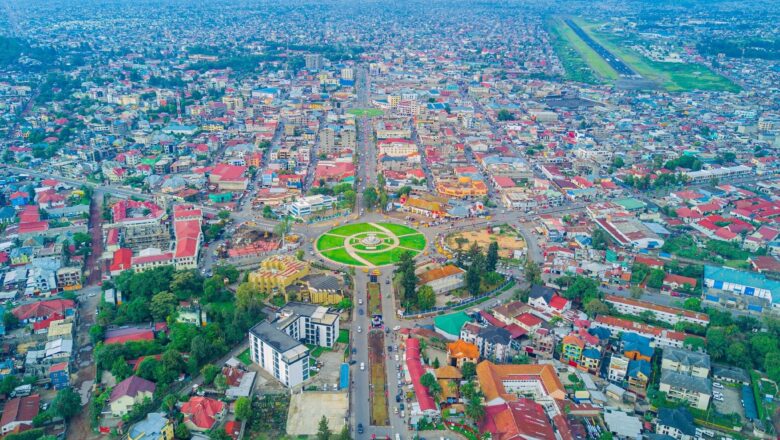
[{"x": 370, "y": 244}]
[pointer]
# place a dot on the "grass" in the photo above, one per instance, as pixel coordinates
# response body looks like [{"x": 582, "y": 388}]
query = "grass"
[
  {"x": 416, "y": 241},
  {"x": 575, "y": 67},
  {"x": 368, "y": 112},
  {"x": 674, "y": 77},
  {"x": 353, "y": 229},
  {"x": 374, "y": 301},
  {"x": 380, "y": 259},
  {"x": 326, "y": 242},
  {"x": 340, "y": 255},
  {"x": 225, "y": 306},
  {"x": 245, "y": 357},
  {"x": 343, "y": 336},
  {"x": 593, "y": 60},
  {"x": 398, "y": 229}
]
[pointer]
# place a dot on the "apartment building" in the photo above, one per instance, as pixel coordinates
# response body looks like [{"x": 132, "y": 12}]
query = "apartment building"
[
  {"x": 671, "y": 315},
  {"x": 686, "y": 361}
]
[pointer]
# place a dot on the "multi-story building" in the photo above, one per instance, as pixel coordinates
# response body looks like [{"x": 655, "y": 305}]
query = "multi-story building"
[
  {"x": 685, "y": 361},
  {"x": 618, "y": 368},
  {"x": 278, "y": 272},
  {"x": 306, "y": 206},
  {"x": 69, "y": 278},
  {"x": 278, "y": 346},
  {"x": 692, "y": 389},
  {"x": 671, "y": 315}
]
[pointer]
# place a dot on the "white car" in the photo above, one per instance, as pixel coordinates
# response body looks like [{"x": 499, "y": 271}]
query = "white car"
[
  {"x": 360, "y": 301},
  {"x": 360, "y": 329},
  {"x": 717, "y": 385},
  {"x": 362, "y": 366},
  {"x": 718, "y": 398}
]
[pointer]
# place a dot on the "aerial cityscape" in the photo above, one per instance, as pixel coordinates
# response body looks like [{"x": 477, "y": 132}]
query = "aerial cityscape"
[{"x": 365, "y": 219}]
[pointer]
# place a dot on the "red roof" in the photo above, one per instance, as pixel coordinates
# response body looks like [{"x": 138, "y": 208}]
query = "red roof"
[
  {"x": 123, "y": 260},
  {"x": 187, "y": 237},
  {"x": 515, "y": 331},
  {"x": 40, "y": 325},
  {"x": 228, "y": 172},
  {"x": 202, "y": 411},
  {"x": 43, "y": 309},
  {"x": 21, "y": 409},
  {"x": 416, "y": 370},
  {"x": 122, "y": 335},
  {"x": 33, "y": 227},
  {"x": 521, "y": 419},
  {"x": 558, "y": 302},
  {"x": 131, "y": 387},
  {"x": 529, "y": 319}
]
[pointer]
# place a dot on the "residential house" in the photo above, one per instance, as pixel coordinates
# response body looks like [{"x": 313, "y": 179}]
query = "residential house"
[
  {"x": 618, "y": 368},
  {"x": 572, "y": 346},
  {"x": 461, "y": 351},
  {"x": 676, "y": 423},
  {"x": 638, "y": 374},
  {"x": 443, "y": 279},
  {"x": 19, "y": 412},
  {"x": 685, "y": 361},
  {"x": 547, "y": 300},
  {"x": 131, "y": 391},
  {"x": 59, "y": 374},
  {"x": 154, "y": 427},
  {"x": 202, "y": 413},
  {"x": 692, "y": 389}
]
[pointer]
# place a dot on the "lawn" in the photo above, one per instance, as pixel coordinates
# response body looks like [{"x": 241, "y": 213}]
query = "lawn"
[
  {"x": 596, "y": 63},
  {"x": 245, "y": 357},
  {"x": 674, "y": 77},
  {"x": 398, "y": 229},
  {"x": 374, "y": 299},
  {"x": 340, "y": 255},
  {"x": 343, "y": 336},
  {"x": 368, "y": 112},
  {"x": 352, "y": 229},
  {"x": 576, "y": 68},
  {"x": 416, "y": 241},
  {"x": 386, "y": 257},
  {"x": 326, "y": 242}
]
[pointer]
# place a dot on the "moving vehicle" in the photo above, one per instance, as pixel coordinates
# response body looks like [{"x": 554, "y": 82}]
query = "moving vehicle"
[
  {"x": 360, "y": 329},
  {"x": 362, "y": 366},
  {"x": 360, "y": 428}
]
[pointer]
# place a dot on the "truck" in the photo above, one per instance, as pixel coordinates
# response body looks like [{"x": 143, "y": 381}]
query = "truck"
[{"x": 22, "y": 391}]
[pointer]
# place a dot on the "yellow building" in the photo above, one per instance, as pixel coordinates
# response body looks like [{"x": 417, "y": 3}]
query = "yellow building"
[
  {"x": 321, "y": 289},
  {"x": 278, "y": 272},
  {"x": 461, "y": 187}
]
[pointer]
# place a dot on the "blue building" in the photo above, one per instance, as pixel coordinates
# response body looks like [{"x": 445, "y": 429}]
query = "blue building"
[
  {"x": 59, "y": 374},
  {"x": 753, "y": 291}
]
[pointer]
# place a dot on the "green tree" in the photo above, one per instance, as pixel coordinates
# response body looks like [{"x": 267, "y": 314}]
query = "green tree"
[
  {"x": 223, "y": 215},
  {"x": 10, "y": 321},
  {"x": 169, "y": 403},
  {"x": 532, "y": 272},
  {"x": 120, "y": 369},
  {"x": 599, "y": 239},
  {"x": 181, "y": 432},
  {"x": 163, "y": 305},
  {"x": 656, "y": 279},
  {"x": 492, "y": 257},
  {"x": 473, "y": 279},
  {"x": 8, "y": 384},
  {"x": 505, "y": 115},
  {"x": 636, "y": 292},
  {"x": 469, "y": 370},
  {"x": 426, "y": 298},
  {"x": 243, "y": 408},
  {"x": 429, "y": 381},
  {"x": 220, "y": 382},
  {"x": 323, "y": 431},
  {"x": 596, "y": 307},
  {"x": 148, "y": 369},
  {"x": 693, "y": 304},
  {"x": 209, "y": 372},
  {"x": 370, "y": 197},
  {"x": 344, "y": 434},
  {"x": 67, "y": 403},
  {"x": 248, "y": 295},
  {"x": 96, "y": 333}
]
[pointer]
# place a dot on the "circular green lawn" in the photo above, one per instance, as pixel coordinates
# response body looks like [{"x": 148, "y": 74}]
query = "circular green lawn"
[{"x": 370, "y": 244}]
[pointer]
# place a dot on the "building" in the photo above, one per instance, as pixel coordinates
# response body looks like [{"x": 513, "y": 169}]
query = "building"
[
  {"x": 692, "y": 389},
  {"x": 685, "y": 361},
  {"x": 547, "y": 300},
  {"x": 494, "y": 343},
  {"x": 733, "y": 287},
  {"x": 622, "y": 425},
  {"x": 571, "y": 351},
  {"x": 460, "y": 351},
  {"x": 59, "y": 374},
  {"x": 658, "y": 336},
  {"x": 503, "y": 383},
  {"x": 676, "y": 423},
  {"x": 19, "y": 412},
  {"x": 278, "y": 272},
  {"x": 520, "y": 419},
  {"x": 131, "y": 391},
  {"x": 630, "y": 233},
  {"x": 308, "y": 205},
  {"x": 618, "y": 368},
  {"x": 202, "y": 413},
  {"x": 443, "y": 279},
  {"x": 425, "y": 402},
  {"x": 671, "y": 315},
  {"x": 154, "y": 427},
  {"x": 321, "y": 289},
  {"x": 278, "y": 346}
]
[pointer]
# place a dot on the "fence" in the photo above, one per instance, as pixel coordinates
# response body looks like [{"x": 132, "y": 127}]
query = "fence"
[{"x": 464, "y": 303}]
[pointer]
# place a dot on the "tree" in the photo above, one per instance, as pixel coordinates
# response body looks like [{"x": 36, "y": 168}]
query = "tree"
[
  {"x": 693, "y": 304},
  {"x": 243, "y": 408},
  {"x": 96, "y": 333},
  {"x": 636, "y": 292},
  {"x": 220, "y": 382},
  {"x": 120, "y": 369},
  {"x": 344, "y": 434},
  {"x": 169, "y": 403},
  {"x": 426, "y": 298},
  {"x": 163, "y": 305},
  {"x": 323, "y": 431},
  {"x": 429, "y": 381},
  {"x": 10, "y": 321},
  {"x": 8, "y": 384},
  {"x": 505, "y": 115},
  {"x": 186, "y": 284},
  {"x": 370, "y": 197},
  {"x": 469, "y": 370},
  {"x": 223, "y": 215},
  {"x": 182, "y": 432},
  {"x": 532, "y": 272},
  {"x": 67, "y": 403},
  {"x": 772, "y": 365},
  {"x": 148, "y": 369},
  {"x": 596, "y": 307},
  {"x": 218, "y": 433},
  {"x": 209, "y": 372},
  {"x": 247, "y": 295},
  {"x": 656, "y": 279},
  {"x": 492, "y": 257},
  {"x": 473, "y": 279}
]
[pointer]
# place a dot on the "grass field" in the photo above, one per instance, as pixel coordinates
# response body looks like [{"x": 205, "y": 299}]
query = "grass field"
[
  {"x": 374, "y": 300},
  {"x": 326, "y": 242},
  {"x": 353, "y": 229},
  {"x": 416, "y": 241},
  {"x": 398, "y": 229},
  {"x": 674, "y": 77},
  {"x": 389, "y": 256},
  {"x": 376, "y": 358},
  {"x": 368, "y": 112},
  {"x": 340, "y": 255},
  {"x": 245, "y": 357},
  {"x": 343, "y": 336},
  {"x": 579, "y": 60}
]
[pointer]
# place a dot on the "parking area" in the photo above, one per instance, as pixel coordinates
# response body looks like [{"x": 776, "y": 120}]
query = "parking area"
[{"x": 732, "y": 401}]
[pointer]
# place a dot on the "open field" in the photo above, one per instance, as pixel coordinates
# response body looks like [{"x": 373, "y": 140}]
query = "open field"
[
  {"x": 352, "y": 229},
  {"x": 376, "y": 361},
  {"x": 389, "y": 256},
  {"x": 581, "y": 62},
  {"x": 415, "y": 241},
  {"x": 398, "y": 229},
  {"x": 674, "y": 77},
  {"x": 340, "y": 255},
  {"x": 326, "y": 242},
  {"x": 368, "y": 112},
  {"x": 508, "y": 240},
  {"x": 307, "y": 409}
]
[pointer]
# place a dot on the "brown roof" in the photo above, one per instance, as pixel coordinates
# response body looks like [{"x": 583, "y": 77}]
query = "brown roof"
[
  {"x": 448, "y": 372},
  {"x": 439, "y": 273},
  {"x": 491, "y": 379},
  {"x": 21, "y": 409},
  {"x": 462, "y": 349}
]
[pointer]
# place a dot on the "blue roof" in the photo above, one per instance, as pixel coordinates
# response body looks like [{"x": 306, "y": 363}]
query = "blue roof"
[
  {"x": 749, "y": 403},
  {"x": 591, "y": 353},
  {"x": 747, "y": 279},
  {"x": 634, "y": 342},
  {"x": 640, "y": 366},
  {"x": 344, "y": 376}
]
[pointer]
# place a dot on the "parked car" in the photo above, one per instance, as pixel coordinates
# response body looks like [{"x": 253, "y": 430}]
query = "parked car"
[
  {"x": 717, "y": 385},
  {"x": 360, "y": 428},
  {"x": 362, "y": 366}
]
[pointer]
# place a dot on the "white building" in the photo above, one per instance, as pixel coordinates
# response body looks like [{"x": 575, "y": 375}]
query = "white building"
[
  {"x": 671, "y": 315},
  {"x": 305, "y": 206}
]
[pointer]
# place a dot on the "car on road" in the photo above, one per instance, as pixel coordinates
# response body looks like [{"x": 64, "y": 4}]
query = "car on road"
[
  {"x": 717, "y": 385},
  {"x": 362, "y": 366},
  {"x": 360, "y": 329},
  {"x": 360, "y": 301},
  {"x": 360, "y": 429},
  {"x": 360, "y": 312}
]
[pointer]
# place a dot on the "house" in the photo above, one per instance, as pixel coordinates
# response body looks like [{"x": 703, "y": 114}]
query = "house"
[
  {"x": 729, "y": 374},
  {"x": 638, "y": 374},
  {"x": 622, "y": 425},
  {"x": 591, "y": 359},
  {"x": 685, "y": 361},
  {"x": 450, "y": 325},
  {"x": 499, "y": 382},
  {"x": 19, "y": 412},
  {"x": 41, "y": 310},
  {"x": 154, "y": 427},
  {"x": 59, "y": 374},
  {"x": 676, "y": 423},
  {"x": 124, "y": 334},
  {"x": 202, "y": 413},
  {"x": 618, "y": 368},
  {"x": 494, "y": 343},
  {"x": 572, "y": 349},
  {"x": 131, "y": 391},
  {"x": 692, "y": 389},
  {"x": 547, "y": 300},
  {"x": 668, "y": 314},
  {"x": 636, "y": 347},
  {"x": 461, "y": 351},
  {"x": 443, "y": 279},
  {"x": 521, "y": 419},
  {"x": 543, "y": 343}
]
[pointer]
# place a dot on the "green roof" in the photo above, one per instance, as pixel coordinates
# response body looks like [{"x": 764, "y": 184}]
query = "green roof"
[
  {"x": 452, "y": 323},
  {"x": 631, "y": 204}
]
